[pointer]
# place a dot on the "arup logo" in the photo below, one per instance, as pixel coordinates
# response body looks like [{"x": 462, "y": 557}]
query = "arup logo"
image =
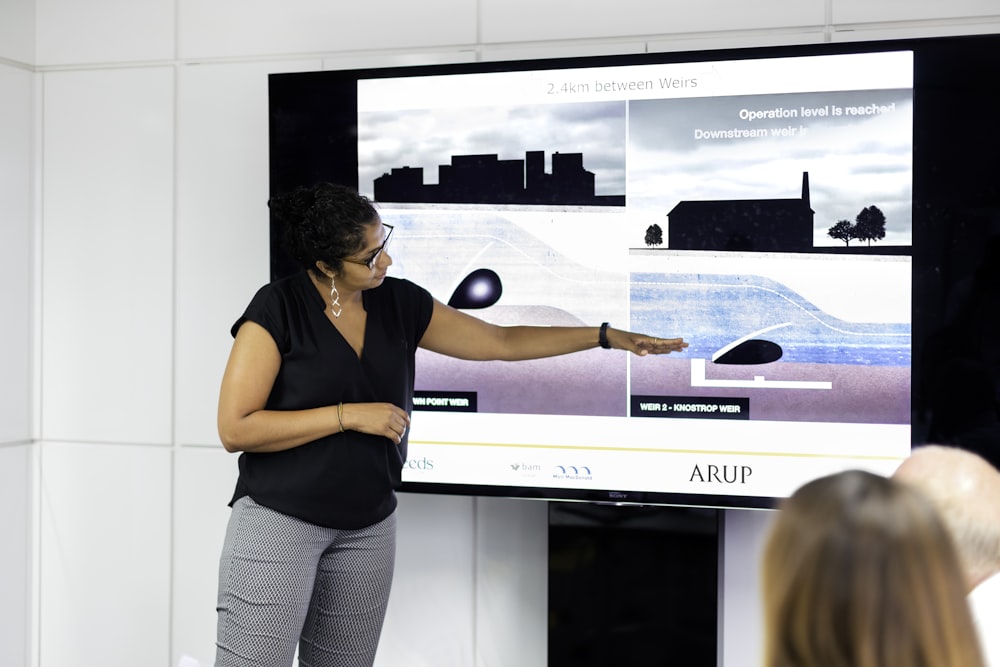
[
  {"x": 724, "y": 474},
  {"x": 571, "y": 472}
]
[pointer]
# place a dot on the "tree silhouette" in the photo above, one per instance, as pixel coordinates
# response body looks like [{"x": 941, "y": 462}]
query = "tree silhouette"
[
  {"x": 654, "y": 235},
  {"x": 842, "y": 230},
  {"x": 870, "y": 225}
]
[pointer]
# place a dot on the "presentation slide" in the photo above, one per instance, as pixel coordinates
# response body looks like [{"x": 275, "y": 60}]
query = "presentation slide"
[{"x": 760, "y": 209}]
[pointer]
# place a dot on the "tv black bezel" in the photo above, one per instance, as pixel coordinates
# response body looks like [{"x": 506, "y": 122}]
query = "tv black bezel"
[{"x": 952, "y": 193}]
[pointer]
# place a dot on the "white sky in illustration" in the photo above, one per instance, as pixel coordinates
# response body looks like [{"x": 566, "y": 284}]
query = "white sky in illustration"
[
  {"x": 656, "y": 158},
  {"x": 852, "y": 162}
]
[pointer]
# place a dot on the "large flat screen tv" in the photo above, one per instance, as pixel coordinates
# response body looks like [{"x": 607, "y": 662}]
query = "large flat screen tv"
[{"x": 805, "y": 217}]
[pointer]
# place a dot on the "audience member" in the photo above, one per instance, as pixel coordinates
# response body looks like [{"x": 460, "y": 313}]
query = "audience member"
[
  {"x": 966, "y": 490},
  {"x": 860, "y": 571}
]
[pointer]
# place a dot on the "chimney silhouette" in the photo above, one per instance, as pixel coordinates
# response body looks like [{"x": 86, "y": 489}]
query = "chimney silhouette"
[{"x": 805, "y": 188}]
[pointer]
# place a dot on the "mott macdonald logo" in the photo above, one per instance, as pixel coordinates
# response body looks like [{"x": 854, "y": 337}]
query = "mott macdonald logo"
[{"x": 572, "y": 472}]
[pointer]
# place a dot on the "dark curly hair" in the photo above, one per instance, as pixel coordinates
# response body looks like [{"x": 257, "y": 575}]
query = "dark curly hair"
[{"x": 324, "y": 222}]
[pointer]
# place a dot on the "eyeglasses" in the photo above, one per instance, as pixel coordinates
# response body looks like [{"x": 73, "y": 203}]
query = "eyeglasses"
[{"x": 372, "y": 258}]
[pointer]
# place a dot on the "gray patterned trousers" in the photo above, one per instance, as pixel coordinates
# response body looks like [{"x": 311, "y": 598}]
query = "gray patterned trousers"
[{"x": 283, "y": 582}]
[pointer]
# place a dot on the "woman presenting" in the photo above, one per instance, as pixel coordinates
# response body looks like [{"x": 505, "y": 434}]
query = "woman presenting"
[{"x": 317, "y": 395}]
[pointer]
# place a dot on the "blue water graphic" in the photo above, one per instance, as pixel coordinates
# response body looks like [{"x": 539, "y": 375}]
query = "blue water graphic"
[{"x": 712, "y": 311}]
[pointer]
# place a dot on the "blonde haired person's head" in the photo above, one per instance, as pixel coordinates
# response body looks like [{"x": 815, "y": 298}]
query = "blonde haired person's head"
[
  {"x": 966, "y": 490},
  {"x": 860, "y": 571}
]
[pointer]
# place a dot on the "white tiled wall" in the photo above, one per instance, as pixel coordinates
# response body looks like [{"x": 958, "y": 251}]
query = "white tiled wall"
[
  {"x": 17, "y": 578},
  {"x": 202, "y": 485},
  {"x": 108, "y": 260},
  {"x": 431, "y": 619},
  {"x": 104, "y": 31},
  {"x": 531, "y": 20},
  {"x": 740, "y": 620},
  {"x": 511, "y": 541},
  {"x": 17, "y": 31},
  {"x": 16, "y": 281},
  {"x": 17, "y": 290},
  {"x": 222, "y": 225},
  {"x": 865, "y": 12},
  {"x": 105, "y": 554},
  {"x": 234, "y": 28},
  {"x": 148, "y": 119},
  {"x": 851, "y": 33}
]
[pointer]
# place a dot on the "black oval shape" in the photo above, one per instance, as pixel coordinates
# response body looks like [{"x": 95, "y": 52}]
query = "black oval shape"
[
  {"x": 753, "y": 351},
  {"x": 479, "y": 289}
]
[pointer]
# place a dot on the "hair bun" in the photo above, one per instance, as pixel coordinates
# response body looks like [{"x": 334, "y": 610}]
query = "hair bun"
[{"x": 290, "y": 208}]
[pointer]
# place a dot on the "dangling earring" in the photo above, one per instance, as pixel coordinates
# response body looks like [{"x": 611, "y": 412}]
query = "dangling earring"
[{"x": 334, "y": 298}]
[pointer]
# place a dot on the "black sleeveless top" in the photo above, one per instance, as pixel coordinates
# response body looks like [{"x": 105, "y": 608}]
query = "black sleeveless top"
[{"x": 345, "y": 480}]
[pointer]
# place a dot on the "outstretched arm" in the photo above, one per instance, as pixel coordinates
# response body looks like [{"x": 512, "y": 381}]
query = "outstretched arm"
[{"x": 457, "y": 334}]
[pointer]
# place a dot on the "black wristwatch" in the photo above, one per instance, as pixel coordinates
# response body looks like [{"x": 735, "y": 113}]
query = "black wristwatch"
[{"x": 603, "y": 337}]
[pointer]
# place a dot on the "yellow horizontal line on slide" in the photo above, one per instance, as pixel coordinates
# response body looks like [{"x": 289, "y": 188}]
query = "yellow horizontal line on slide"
[{"x": 808, "y": 455}]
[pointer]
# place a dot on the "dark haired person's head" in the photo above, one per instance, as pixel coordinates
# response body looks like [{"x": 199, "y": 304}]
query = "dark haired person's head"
[
  {"x": 323, "y": 223},
  {"x": 860, "y": 571}
]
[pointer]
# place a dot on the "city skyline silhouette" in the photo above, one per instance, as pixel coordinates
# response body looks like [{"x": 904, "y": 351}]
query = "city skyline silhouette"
[{"x": 486, "y": 179}]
